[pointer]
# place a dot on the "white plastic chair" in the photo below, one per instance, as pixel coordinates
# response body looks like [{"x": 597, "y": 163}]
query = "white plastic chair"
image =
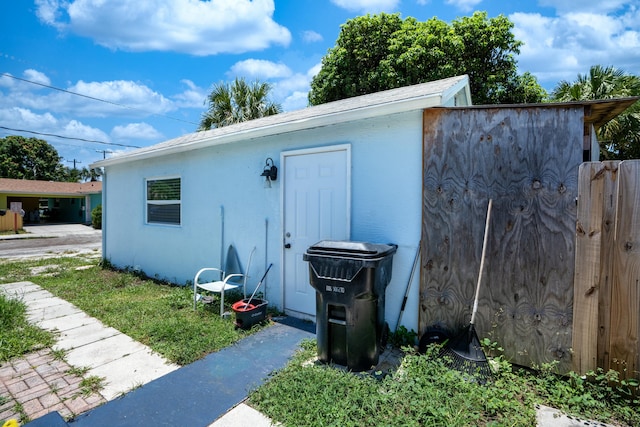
[{"x": 226, "y": 282}]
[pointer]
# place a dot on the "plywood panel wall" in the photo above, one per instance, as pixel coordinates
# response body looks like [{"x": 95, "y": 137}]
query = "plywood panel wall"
[{"x": 526, "y": 160}]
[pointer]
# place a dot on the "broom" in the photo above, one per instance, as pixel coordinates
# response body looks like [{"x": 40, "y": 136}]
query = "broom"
[{"x": 464, "y": 352}]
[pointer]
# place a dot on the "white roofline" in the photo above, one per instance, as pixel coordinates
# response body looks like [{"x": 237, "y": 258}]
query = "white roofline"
[{"x": 363, "y": 107}]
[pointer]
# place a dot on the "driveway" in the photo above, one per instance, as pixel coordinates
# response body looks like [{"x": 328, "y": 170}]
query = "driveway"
[{"x": 43, "y": 241}]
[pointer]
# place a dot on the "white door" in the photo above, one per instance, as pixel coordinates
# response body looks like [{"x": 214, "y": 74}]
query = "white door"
[{"x": 316, "y": 207}]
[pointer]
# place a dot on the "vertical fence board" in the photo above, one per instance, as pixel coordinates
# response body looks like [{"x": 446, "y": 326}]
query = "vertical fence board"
[
  {"x": 625, "y": 302},
  {"x": 9, "y": 221},
  {"x": 610, "y": 202},
  {"x": 591, "y": 177}
]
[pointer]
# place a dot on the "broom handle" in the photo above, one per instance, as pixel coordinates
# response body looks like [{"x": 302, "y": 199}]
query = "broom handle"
[
  {"x": 259, "y": 284},
  {"x": 484, "y": 250}
]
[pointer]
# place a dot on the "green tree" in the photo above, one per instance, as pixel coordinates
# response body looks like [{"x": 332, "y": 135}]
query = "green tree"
[
  {"x": 620, "y": 137},
  {"x": 89, "y": 174},
  {"x": 378, "y": 52},
  {"x": 29, "y": 158},
  {"x": 238, "y": 102}
]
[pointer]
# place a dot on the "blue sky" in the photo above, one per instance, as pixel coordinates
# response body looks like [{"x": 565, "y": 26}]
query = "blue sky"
[{"x": 155, "y": 61}]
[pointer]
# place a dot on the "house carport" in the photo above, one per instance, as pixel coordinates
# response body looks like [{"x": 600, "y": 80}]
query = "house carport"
[{"x": 67, "y": 202}]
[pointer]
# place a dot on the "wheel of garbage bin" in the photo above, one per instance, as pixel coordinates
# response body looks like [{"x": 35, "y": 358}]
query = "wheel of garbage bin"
[
  {"x": 384, "y": 337},
  {"x": 433, "y": 335}
]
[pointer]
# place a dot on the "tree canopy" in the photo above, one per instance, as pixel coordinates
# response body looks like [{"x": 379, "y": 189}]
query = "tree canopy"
[
  {"x": 619, "y": 138},
  {"x": 237, "y": 102},
  {"x": 379, "y": 52},
  {"x": 36, "y": 159},
  {"x": 29, "y": 158}
]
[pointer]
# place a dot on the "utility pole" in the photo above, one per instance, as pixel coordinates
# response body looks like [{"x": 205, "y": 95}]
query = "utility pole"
[
  {"x": 74, "y": 161},
  {"x": 104, "y": 153}
]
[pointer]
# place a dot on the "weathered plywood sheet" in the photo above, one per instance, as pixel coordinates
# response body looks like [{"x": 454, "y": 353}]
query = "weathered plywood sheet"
[
  {"x": 526, "y": 160},
  {"x": 625, "y": 292}
]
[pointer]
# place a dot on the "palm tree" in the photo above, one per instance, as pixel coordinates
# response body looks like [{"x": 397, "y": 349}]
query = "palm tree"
[
  {"x": 620, "y": 137},
  {"x": 238, "y": 102}
]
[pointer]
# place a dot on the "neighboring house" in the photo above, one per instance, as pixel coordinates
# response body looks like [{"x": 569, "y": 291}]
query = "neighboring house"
[
  {"x": 48, "y": 201},
  {"x": 347, "y": 170}
]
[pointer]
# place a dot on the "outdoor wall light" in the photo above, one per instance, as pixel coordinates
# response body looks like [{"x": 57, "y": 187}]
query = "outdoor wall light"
[{"x": 270, "y": 172}]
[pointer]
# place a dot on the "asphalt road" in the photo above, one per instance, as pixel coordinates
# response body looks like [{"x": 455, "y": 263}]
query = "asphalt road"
[{"x": 45, "y": 241}]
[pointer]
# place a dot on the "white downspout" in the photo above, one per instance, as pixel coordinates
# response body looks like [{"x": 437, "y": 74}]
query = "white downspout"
[{"x": 104, "y": 213}]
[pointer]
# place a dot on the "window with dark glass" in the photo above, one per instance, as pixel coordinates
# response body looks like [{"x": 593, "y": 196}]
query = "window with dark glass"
[{"x": 163, "y": 201}]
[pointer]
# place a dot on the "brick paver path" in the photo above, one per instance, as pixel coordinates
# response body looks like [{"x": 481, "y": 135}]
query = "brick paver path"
[{"x": 39, "y": 383}]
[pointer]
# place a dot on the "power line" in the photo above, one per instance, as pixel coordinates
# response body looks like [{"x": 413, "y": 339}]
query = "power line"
[
  {"x": 97, "y": 99},
  {"x": 69, "y": 137}
]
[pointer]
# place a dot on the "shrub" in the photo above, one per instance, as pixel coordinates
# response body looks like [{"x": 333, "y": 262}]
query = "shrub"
[{"x": 96, "y": 217}]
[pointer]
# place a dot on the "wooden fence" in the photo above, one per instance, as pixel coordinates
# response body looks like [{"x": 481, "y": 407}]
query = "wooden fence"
[
  {"x": 606, "y": 301},
  {"x": 10, "y": 220}
]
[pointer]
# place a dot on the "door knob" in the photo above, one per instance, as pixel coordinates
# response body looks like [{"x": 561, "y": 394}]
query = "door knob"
[{"x": 287, "y": 245}]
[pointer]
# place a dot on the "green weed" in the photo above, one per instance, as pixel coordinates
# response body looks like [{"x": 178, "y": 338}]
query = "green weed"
[
  {"x": 424, "y": 392},
  {"x": 152, "y": 312},
  {"x": 17, "y": 336},
  {"x": 90, "y": 385}
]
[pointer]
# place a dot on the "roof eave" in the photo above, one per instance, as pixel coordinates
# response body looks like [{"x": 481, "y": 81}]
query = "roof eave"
[{"x": 339, "y": 117}]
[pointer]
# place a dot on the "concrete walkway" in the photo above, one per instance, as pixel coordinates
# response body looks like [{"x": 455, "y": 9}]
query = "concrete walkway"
[
  {"x": 40, "y": 231},
  {"x": 144, "y": 389},
  {"x": 209, "y": 392},
  {"x": 141, "y": 387},
  {"x": 108, "y": 353}
]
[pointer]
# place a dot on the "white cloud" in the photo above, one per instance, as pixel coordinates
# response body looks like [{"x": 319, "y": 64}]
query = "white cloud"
[
  {"x": 296, "y": 101},
  {"x": 367, "y": 6},
  {"x": 122, "y": 97},
  {"x": 48, "y": 11},
  {"x": 193, "y": 97},
  {"x": 464, "y": 5},
  {"x": 136, "y": 98},
  {"x": 188, "y": 26},
  {"x": 47, "y": 123},
  {"x": 22, "y": 118},
  {"x": 563, "y": 46},
  {"x": 77, "y": 129},
  {"x": 37, "y": 77},
  {"x": 137, "y": 131},
  {"x": 292, "y": 92},
  {"x": 311, "y": 36},
  {"x": 259, "y": 68},
  {"x": 602, "y": 6}
]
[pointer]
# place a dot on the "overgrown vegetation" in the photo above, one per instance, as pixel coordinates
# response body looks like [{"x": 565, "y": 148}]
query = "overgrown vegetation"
[
  {"x": 424, "y": 392},
  {"x": 17, "y": 336},
  {"x": 153, "y": 312}
]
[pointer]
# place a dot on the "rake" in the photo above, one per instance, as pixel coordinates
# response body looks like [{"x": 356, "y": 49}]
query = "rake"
[{"x": 464, "y": 352}]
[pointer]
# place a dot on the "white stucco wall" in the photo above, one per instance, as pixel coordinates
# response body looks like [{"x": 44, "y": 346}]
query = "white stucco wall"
[{"x": 386, "y": 192}]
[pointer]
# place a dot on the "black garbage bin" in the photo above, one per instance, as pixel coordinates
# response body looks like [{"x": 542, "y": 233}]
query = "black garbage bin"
[{"x": 350, "y": 279}]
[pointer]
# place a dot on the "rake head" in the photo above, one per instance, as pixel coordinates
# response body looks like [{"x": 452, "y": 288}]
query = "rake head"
[{"x": 464, "y": 354}]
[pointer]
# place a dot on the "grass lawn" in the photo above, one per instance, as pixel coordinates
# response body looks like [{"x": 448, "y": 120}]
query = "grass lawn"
[
  {"x": 159, "y": 315},
  {"x": 423, "y": 392}
]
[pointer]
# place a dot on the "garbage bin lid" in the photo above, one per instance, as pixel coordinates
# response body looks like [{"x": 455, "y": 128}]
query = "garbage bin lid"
[{"x": 363, "y": 250}]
